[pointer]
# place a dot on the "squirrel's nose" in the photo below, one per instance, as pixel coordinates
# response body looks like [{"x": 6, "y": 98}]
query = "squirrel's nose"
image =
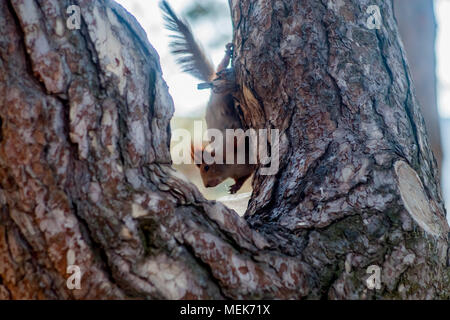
[{"x": 211, "y": 184}]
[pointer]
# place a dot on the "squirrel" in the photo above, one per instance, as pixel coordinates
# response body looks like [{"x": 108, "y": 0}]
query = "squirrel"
[{"x": 220, "y": 111}]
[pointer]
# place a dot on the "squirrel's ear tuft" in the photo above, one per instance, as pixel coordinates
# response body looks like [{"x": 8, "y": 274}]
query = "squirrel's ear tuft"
[
  {"x": 193, "y": 155},
  {"x": 192, "y": 151}
]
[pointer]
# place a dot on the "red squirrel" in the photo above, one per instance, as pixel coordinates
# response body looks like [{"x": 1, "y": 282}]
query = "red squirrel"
[{"x": 220, "y": 111}]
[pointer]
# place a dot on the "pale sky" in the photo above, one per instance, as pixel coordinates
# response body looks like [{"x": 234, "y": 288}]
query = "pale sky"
[
  {"x": 442, "y": 10},
  {"x": 189, "y": 101}
]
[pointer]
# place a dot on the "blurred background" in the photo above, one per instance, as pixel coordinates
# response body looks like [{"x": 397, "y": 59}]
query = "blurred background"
[
  {"x": 424, "y": 28},
  {"x": 211, "y": 24}
]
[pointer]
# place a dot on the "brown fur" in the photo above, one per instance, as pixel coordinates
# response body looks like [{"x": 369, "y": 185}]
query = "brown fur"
[{"x": 220, "y": 112}]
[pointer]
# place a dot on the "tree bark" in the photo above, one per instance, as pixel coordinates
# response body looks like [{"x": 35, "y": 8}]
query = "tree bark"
[
  {"x": 86, "y": 177},
  {"x": 417, "y": 26}
]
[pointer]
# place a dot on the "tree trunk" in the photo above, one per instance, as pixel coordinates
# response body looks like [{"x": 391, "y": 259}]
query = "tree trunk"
[
  {"x": 86, "y": 177},
  {"x": 417, "y": 28}
]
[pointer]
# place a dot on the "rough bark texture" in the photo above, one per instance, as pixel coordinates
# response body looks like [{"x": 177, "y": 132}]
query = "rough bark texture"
[
  {"x": 342, "y": 95},
  {"x": 417, "y": 26},
  {"x": 86, "y": 179}
]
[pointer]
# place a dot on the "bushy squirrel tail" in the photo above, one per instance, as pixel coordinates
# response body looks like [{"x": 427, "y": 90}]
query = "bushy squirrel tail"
[{"x": 191, "y": 56}]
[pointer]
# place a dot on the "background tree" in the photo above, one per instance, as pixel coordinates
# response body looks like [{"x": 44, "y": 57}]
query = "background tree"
[
  {"x": 417, "y": 26},
  {"x": 86, "y": 178}
]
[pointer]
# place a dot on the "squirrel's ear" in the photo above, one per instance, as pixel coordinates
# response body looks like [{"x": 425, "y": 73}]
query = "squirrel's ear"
[{"x": 193, "y": 155}]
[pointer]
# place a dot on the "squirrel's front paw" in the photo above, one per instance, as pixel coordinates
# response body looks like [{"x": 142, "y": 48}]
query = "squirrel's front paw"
[{"x": 234, "y": 188}]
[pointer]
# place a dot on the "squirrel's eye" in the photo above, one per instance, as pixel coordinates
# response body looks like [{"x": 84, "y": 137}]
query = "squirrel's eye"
[{"x": 206, "y": 168}]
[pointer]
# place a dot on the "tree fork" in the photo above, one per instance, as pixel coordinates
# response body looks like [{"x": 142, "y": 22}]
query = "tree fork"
[{"x": 86, "y": 180}]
